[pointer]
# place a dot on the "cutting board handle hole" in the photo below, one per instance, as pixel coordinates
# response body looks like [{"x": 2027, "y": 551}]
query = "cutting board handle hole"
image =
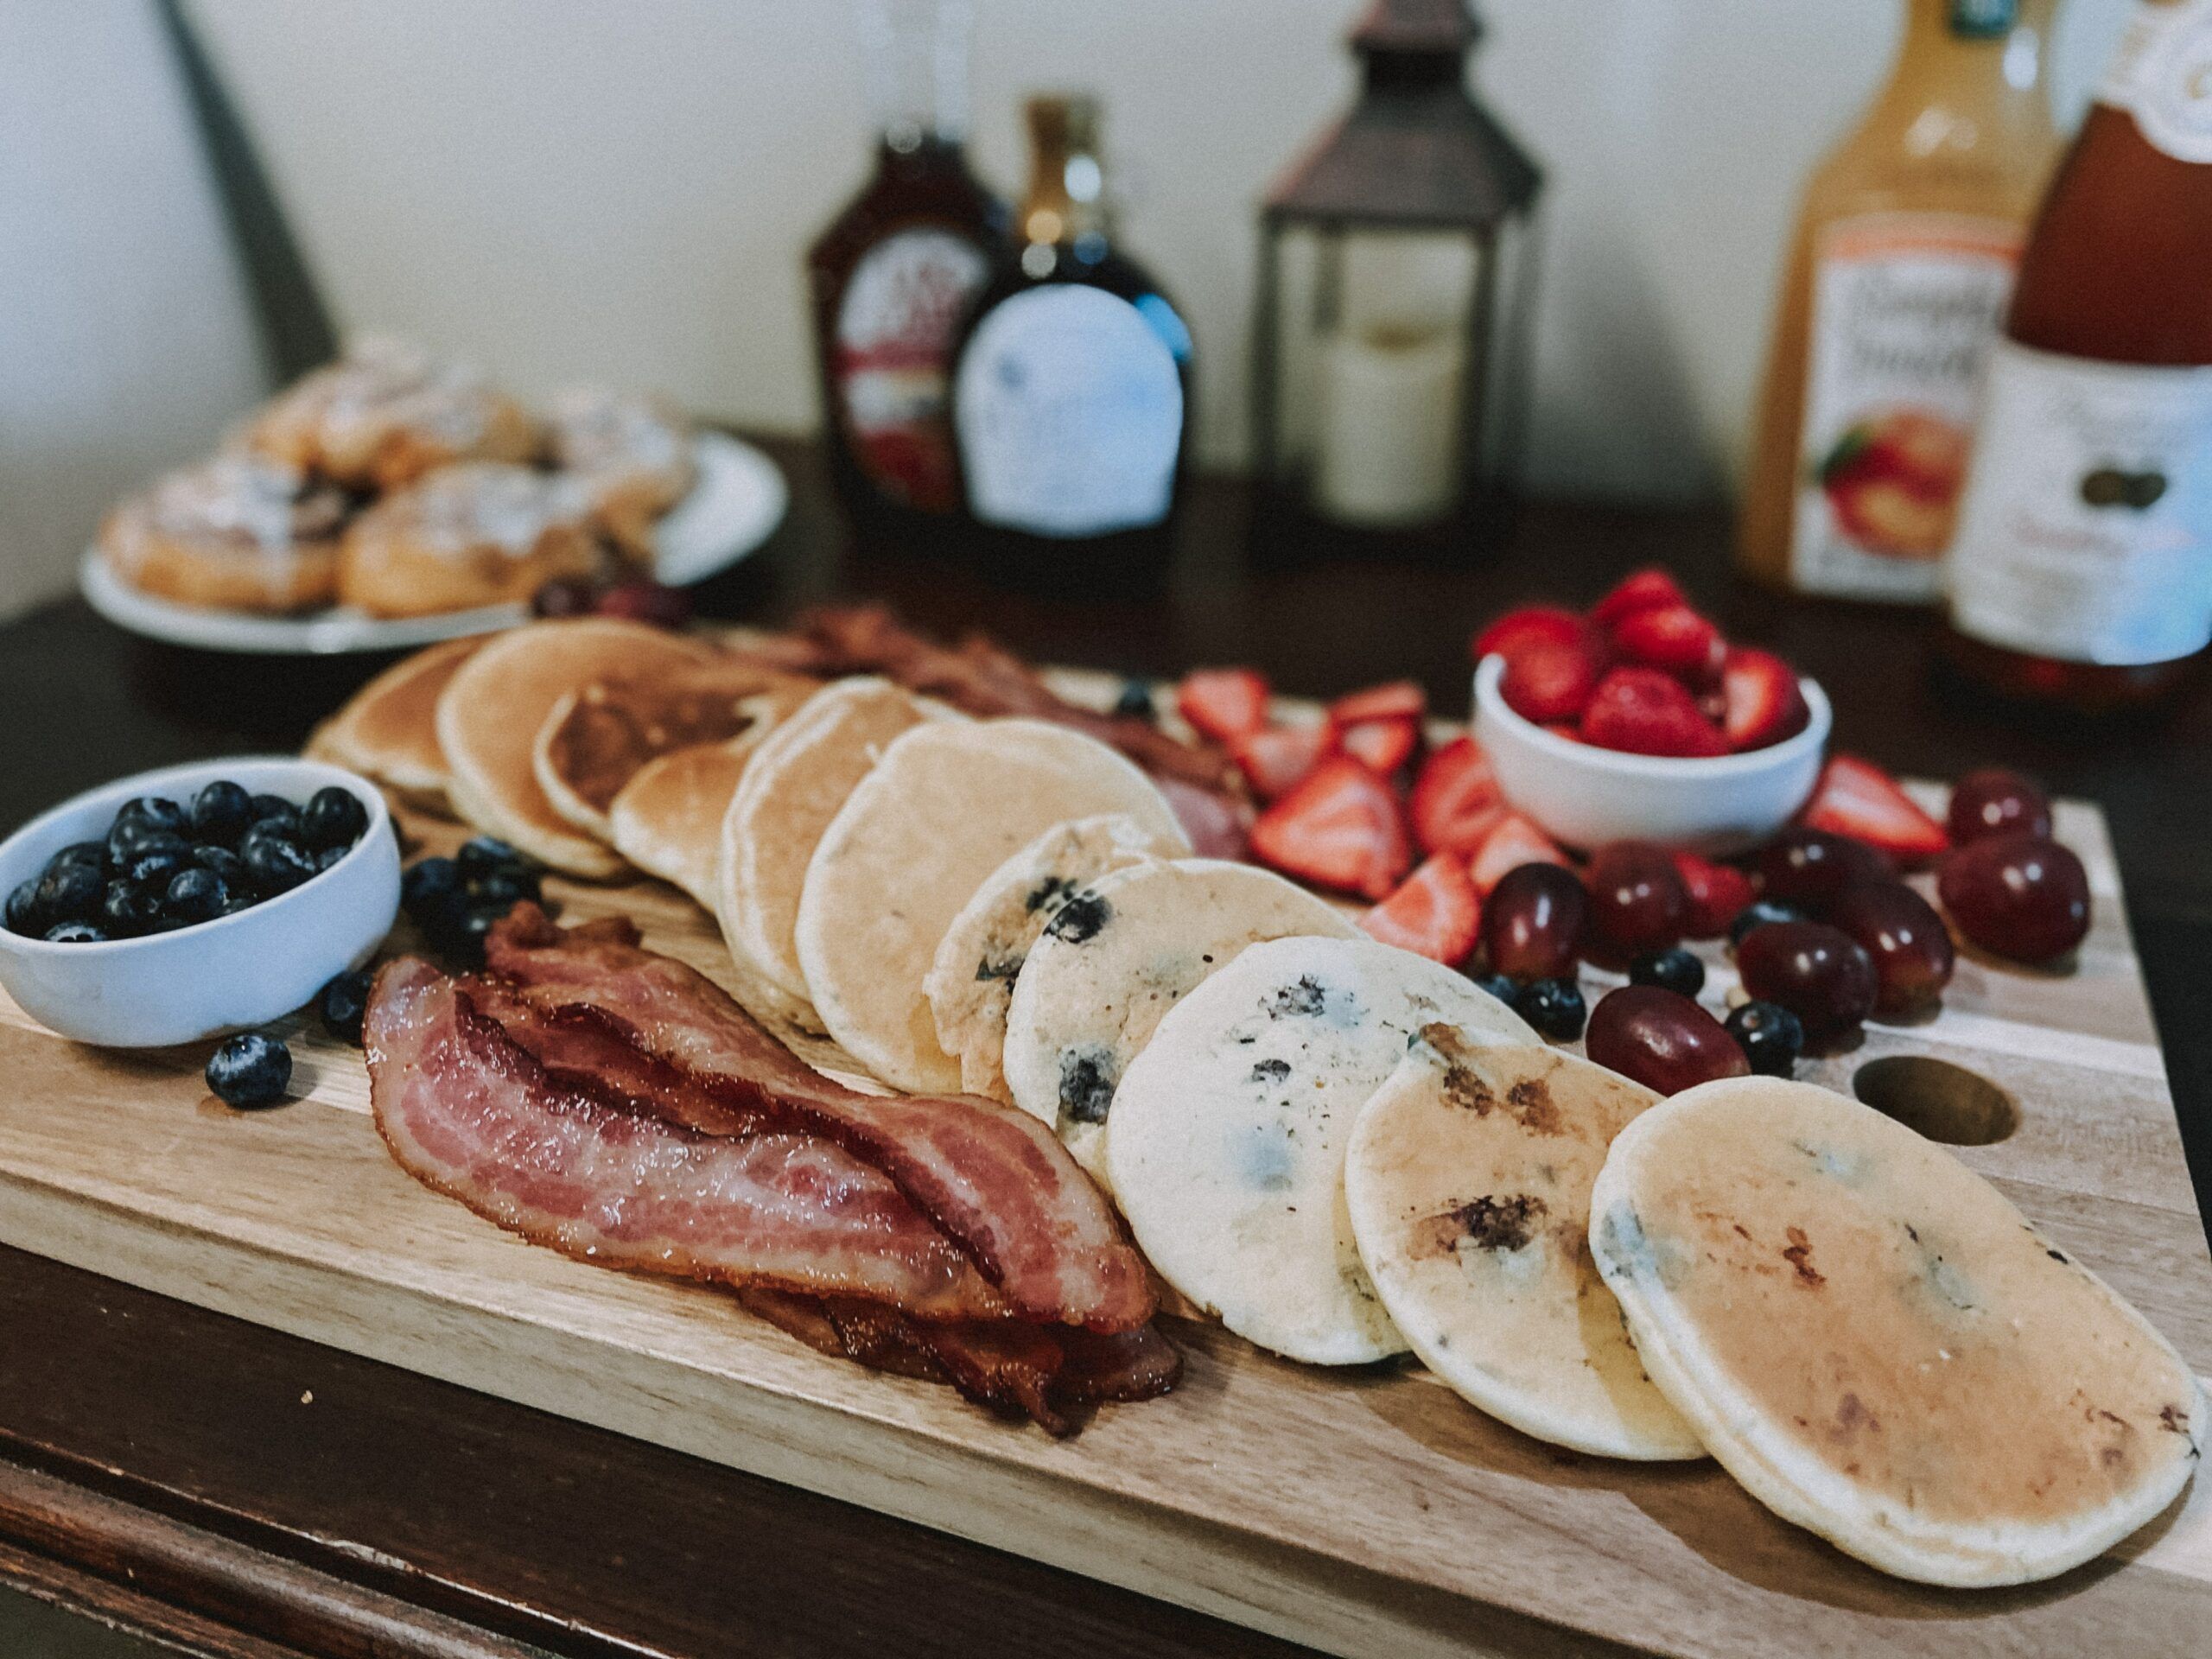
[{"x": 1935, "y": 1098}]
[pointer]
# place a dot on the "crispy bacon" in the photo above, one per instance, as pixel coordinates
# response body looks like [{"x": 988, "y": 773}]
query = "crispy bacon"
[
  {"x": 997, "y": 1180},
  {"x": 472, "y": 1113}
]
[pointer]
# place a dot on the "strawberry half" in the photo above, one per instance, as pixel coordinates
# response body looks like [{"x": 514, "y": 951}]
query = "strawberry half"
[
  {"x": 1456, "y": 802},
  {"x": 1642, "y": 711},
  {"x": 1674, "y": 638},
  {"x": 1544, "y": 683},
  {"x": 1399, "y": 700},
  {"x": 1515, "y": 841},
  {"x": 1275, "y": 758},
  {"x": 1380, "y": 746},
  {"x": 1435, "y": 914},
  {"x": 1532, "y": 624},
  {"x": 1640, "y": 590},
  {"x": 1340, "y": 826},
  {"x": 1717, "y": 894},
  {"x": 1761, "y": 700},
  {"x": 1223, "y": 703},
  {"x": 1856, "y": 798}
]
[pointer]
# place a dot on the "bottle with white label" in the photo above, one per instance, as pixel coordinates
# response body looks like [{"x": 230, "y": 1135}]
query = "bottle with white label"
[
  {"x": 2081, "y": 572},
  {"x": 1072, "y": 387},
  {"x": 897, "y": 268},
  {"x": 1904, "y": 255}
]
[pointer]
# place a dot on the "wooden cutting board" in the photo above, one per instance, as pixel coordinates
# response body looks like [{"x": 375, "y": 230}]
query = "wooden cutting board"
[{"x": 1363, "y": 1512}]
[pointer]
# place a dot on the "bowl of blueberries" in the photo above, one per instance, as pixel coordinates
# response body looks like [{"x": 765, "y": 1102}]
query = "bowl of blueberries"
[{"x": 178, "y": 904}]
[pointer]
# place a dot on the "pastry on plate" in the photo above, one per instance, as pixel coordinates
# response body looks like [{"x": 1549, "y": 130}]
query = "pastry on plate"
[
  {"x": 479, "y": 533},
  {"x": 238, "y": 532},
  {"x": 633, "y": 452},
  {"x": 388, "y": 412}
]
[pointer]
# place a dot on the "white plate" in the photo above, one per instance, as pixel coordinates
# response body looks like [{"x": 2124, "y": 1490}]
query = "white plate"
[{"x": 734, "y": 506}]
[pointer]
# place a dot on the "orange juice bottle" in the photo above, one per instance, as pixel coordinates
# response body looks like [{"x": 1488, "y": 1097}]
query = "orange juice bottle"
[{"x": 1905, "y": 249}]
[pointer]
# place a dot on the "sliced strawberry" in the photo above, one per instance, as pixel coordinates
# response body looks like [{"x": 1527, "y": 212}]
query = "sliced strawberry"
[
  {"x": 1275, "y": 758},
  {"x": 1763, "y": 703},
  {"x": 1856, "y": 798},
  {"x": 1515, "y": 841},
  {"x": 1455, "y": 800},
  {"x": 1434, "y": 914},
  {"x": 1399, "y": 700},
  {"x": 1223, "y": 703},
  {"x": 1340, "y": 826},
  {"x": 1532, "y": 624},
  {"x": 1674, "y": 638},
  {"x": 1717, "y": 894},
  {"x": 1640, "y": 590},
  {"x": 1548, "y": 683},
  {"x": 1642, "y": 711}
]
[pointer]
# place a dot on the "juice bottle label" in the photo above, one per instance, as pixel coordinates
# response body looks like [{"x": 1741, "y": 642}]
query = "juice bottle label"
[
  {"x": 891, "y": 366},
  {"x": 2161, "y": 74},
  {"x": 1069, "y": 411},
  {"x": 2087, "y": 529},
  {"x": 1904, "y": 308}
]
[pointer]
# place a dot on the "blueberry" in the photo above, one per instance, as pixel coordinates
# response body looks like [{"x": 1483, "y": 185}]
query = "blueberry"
[
  {"x": 127, "y": 911},
  {"x": 1499, "y": 986},
  {"x": 22, "y": 914},
  {"x": 1675, "y": 970},
  {"x": 334, "y": 817},
  {"x": 341, "y": 1003},
  {"x": 69, "y": 892},
  {"x": 224, "y": 862},
  {"x": 1135, "y": 700},
  {"x": 1554, "y": 1006},
  {"x": 480, "y": 855},
  {"x": 427, "y": 886},
  {"x": 242, "y": 897},
  {"x": 194, "y": 895},
  {"x": 76, "y": 933},
  {"x": 153, "y": 812},
  {"x": 154, "y": 860},
  {"x": 275, "y": 863},
  {"x": 274, "y": 809},
  {"x": 1758, "y": 913},
  {"x": 329, "y": 856},
  {"x": 250, "y": 1069},
  {"x": 221, "y": 813},
  {"x": 91, "y": 854},
  {"x": 1770, "y": 1036}
]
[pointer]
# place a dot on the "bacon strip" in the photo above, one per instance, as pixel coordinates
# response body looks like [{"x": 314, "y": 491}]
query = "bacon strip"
[
  {"x": 473, "y": 1115},
  {"x": 997, "y": 1180}
]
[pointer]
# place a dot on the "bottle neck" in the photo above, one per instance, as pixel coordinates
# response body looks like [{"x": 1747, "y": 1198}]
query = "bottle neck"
[
  {"x": 1976, "y": 62},
  {"x": 917, "y": 56},
  {"x": 1064, "y": 208}
]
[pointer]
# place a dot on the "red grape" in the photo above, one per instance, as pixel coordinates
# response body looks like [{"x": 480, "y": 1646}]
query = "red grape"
[
  {"x": 2022, "y": 896},
  {"x": 650, "y": 602},
  {"x": 1533, "y": 922},
  {"x": 1904, "y": 936},
  {"x": 1662, "y": 1040},
  {"x": 1994, "y": 802},
  {"x": 1638, "y": 902},
  {"x": 1810, "y": 867},
  {"x": 1818, "y": 973}
]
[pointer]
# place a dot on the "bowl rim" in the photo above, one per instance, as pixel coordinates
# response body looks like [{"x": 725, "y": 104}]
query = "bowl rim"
[
  {"x": 144, "y": 783},
  {"x": 1686, "y": 769}
]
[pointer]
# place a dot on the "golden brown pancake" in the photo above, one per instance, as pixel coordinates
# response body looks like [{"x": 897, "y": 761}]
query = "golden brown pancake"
[{"x": 388, "y": 730}]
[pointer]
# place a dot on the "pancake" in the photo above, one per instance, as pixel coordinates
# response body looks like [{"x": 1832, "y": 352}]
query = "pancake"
[
  {"x": 490, "y": 713},
  {"x": 388, "y": 730},
  {"x": 596, "y": 737},
  {"x": 1115, "y": 960},
  {"x": 1468, "y": 1181},
  {"x": 1873, "y": 1341},
  {"x": 971, "y": 978},
  {"x": 947, "y": 804},
  {"x": 793, "y": 787},
  {"x": 1227, "y": 1143}
]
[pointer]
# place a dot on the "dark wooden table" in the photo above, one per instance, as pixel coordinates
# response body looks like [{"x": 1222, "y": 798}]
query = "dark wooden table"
[{"x": 158, "y": 1468}]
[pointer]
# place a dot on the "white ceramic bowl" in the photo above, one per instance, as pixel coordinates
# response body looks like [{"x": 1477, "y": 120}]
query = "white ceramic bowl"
[
  {"x": 1587, "y": 796},
  {"x": 236, "y": 971}
]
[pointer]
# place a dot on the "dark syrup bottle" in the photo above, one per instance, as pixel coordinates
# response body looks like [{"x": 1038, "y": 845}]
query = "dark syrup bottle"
[
  {"x": 896, "y": 272},
  {"x": 1071, "y": 385}
]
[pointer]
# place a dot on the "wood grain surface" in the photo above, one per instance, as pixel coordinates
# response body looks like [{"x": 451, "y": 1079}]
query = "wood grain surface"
[{"x": 1362, "y": 1512}]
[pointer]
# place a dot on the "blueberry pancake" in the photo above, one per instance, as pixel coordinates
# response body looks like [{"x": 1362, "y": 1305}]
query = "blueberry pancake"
[
  {"x": 480, "y": 533},
  {"x": 237, "y": 532}
]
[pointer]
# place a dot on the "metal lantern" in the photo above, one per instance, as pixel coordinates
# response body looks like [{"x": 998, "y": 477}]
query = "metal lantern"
[{"x": 1396, "y": 266}]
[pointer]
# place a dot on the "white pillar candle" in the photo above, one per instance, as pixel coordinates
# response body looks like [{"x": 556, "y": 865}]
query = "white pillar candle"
[{"x": 1386, "y": 450}]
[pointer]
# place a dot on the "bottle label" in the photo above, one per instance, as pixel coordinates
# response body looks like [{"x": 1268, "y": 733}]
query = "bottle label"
[
  {"x": 2162, "y": 75},
  {"x": 1904, "y": 308},
  {"x": 1070, "y": 413},
  {"x": 2087, "y": 529},
  {"x": 892, "y": 366}
]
